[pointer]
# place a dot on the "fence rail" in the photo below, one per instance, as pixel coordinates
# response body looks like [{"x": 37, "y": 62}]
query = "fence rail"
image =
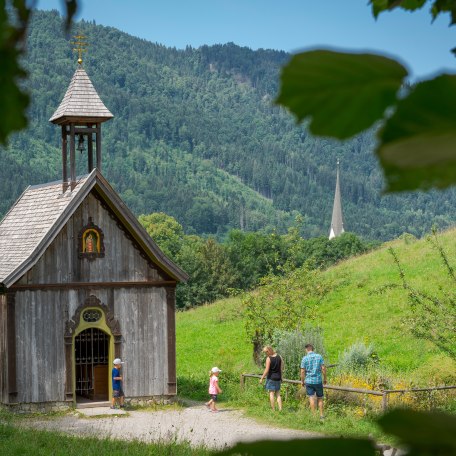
[{"x": 384, "y": 393}]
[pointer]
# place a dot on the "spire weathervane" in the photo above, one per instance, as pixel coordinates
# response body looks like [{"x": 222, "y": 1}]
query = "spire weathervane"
[{"x": 81, "y": 44}]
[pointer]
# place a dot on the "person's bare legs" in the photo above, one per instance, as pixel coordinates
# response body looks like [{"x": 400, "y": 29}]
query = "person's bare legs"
[
  {"x": 279, "y": 401},
  {"x": 320, "y": 406},
  {"x": 312, "y": 402},
  {"x": 272, "y": 399}
]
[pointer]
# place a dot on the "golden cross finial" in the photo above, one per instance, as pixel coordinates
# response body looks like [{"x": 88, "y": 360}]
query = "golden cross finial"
[{"x": 81, "y": 45}]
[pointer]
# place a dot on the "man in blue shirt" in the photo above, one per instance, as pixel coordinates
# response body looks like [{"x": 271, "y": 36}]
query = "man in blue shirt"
[
  {"x": 117, "y": 391},
  {"x": 313, "y": 376}
]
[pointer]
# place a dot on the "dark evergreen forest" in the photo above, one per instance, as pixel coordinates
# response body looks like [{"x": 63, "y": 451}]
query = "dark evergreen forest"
[{"x": 196, "y": 135}]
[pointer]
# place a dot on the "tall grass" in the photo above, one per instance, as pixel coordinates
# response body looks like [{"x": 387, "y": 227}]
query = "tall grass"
[{"x": 16, "y": 441}]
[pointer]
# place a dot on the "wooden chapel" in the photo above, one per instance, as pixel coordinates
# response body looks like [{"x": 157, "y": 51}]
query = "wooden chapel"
[{"x": 82, "y": 283}]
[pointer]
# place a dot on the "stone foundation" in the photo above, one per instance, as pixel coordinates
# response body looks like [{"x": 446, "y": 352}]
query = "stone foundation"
[
  {"x": 149, "y": 400},
  {"x": 39, "y": 407},
  {"x": 48, "y": 407}
]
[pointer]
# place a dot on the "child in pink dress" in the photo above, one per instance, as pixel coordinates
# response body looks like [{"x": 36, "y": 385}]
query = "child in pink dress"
[{"x": 214, "y": 389}]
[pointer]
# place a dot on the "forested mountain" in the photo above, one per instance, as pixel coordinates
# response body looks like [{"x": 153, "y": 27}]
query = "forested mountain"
[{"x": 196, "y": 135}]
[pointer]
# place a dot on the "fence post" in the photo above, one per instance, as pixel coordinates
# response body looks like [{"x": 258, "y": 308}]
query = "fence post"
[
  {"x": 384, "y": 401},
  {"x": 242, "y": 383}
]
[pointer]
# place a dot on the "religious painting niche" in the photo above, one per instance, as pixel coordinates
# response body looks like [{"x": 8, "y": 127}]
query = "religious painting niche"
[{"x": 91, "y": 243}]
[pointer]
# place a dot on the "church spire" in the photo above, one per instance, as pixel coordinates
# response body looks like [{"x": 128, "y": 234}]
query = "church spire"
[
  {"x": 80, "y": 114},
  {"x": 337, "y": 221}
]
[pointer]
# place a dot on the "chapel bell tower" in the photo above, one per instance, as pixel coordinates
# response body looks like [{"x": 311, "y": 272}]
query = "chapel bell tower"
[{"x": 80, "y": 115}]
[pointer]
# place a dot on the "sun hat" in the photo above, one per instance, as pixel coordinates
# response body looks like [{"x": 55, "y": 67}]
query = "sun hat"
[
  {"x": 117, "y": 361},
  {"x": 215, "y": 369}
]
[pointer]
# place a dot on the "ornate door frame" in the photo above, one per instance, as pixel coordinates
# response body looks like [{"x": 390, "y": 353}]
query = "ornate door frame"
[{"x": 74, "y": 326}]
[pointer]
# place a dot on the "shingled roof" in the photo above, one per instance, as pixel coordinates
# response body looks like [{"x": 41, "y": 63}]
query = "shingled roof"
[
  {"x": 81, "y": 101},
  {"x": 42, "y": 211}
]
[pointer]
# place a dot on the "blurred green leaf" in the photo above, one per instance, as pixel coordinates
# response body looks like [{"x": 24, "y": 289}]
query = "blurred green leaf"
[
  {"x": 13, "y": 28},
  {"x": 439, "y": 6},
  {"x": 444, "y": 6},
  {"x": 71, "y": 9},
  {"x": 13, "y": 100},
  {"x": 320, "y": 447},
  {"x": 342, "y": 93},
  {"x": 423, "y": 433},
  {"x": 378, "y": 6},
  {"x": 418, "y": 143}
]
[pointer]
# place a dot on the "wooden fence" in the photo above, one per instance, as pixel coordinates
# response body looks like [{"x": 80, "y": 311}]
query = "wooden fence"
[{"x": 384, "y": 393}]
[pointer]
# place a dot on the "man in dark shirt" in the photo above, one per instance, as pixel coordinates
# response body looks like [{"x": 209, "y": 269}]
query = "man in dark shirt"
[{"x": 117, "y": 391}]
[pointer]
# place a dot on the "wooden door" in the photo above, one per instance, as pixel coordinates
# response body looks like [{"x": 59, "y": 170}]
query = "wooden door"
[{"x": 92, "y": 356}]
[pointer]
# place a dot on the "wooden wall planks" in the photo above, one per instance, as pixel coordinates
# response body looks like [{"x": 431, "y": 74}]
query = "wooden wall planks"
[
  {"x": 40, "y": 318},
  {"x": 3, "y": 350},
  {"x": 40, "y": 314},
  {"x": 60, "y": 262}
]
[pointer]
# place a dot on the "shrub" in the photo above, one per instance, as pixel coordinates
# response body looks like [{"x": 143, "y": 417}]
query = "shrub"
[
  {"x": 357, "y": 358},
  {"x": 291, "y": 346}
]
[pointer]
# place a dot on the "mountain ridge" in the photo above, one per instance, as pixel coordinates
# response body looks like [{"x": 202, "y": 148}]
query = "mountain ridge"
[{"x": 185, "y": 117}]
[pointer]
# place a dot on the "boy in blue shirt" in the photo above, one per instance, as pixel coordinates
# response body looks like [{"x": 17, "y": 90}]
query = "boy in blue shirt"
[{"x": 117, "y": 391}]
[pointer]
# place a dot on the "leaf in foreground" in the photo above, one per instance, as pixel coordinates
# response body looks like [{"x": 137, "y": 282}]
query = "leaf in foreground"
[
  {"x": 13, "y": 100},
  {"x": 342, "y": 93},
  {"x": 418, "y": 143},
  {"x": 423, "y": 433},
  {"x": 321, "y": 447},
  {"x": 379, "y": 6}
]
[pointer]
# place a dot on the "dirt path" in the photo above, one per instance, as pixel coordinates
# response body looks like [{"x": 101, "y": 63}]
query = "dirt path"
[{"x": 194, "y": 424}]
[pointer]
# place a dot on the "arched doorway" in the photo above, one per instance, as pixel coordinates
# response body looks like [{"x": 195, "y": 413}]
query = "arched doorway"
[
  {"x": 92, "y": 341},
  {"x": 91, "y": 355}
]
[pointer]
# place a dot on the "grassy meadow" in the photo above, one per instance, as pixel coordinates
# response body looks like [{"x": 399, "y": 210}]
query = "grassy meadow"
[
  {"x": 214, "y": 335},
  {"x": 15, "y": 441},
  {"x": 353, "y": 311}
]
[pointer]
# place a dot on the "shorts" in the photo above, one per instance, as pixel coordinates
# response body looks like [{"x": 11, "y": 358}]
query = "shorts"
[
  {"x": 273, "y": 385},
  {"x": 213, "y": 397},
  {"x": 316, "y": 389},
  {"x": 118, "y": 393}
]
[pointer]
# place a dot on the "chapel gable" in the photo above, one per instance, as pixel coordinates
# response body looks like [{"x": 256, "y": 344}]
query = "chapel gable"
[{"x": 94, "y": 246}]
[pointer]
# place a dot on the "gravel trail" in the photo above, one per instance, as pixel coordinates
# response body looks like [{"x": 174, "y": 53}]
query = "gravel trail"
[{"x": 195, "y": 425}]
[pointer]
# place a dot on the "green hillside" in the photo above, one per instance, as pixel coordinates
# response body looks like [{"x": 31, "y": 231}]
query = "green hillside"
[
  {"x": 351, "y": 312},
  {"x": 196, "y": 135}
]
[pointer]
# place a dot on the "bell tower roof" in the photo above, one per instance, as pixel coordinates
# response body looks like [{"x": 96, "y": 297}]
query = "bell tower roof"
[
  {"x": 80, "y": 116},
  {"x": 81, "y": 102}
]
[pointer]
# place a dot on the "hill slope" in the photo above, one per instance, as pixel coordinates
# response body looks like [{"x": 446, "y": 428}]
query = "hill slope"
[
  {"x": 196, "y": 135},
  {"x": 351, "y": 312}
]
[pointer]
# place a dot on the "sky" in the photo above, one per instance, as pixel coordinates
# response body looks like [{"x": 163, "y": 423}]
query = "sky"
[{"x": 290, "y": 25}]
